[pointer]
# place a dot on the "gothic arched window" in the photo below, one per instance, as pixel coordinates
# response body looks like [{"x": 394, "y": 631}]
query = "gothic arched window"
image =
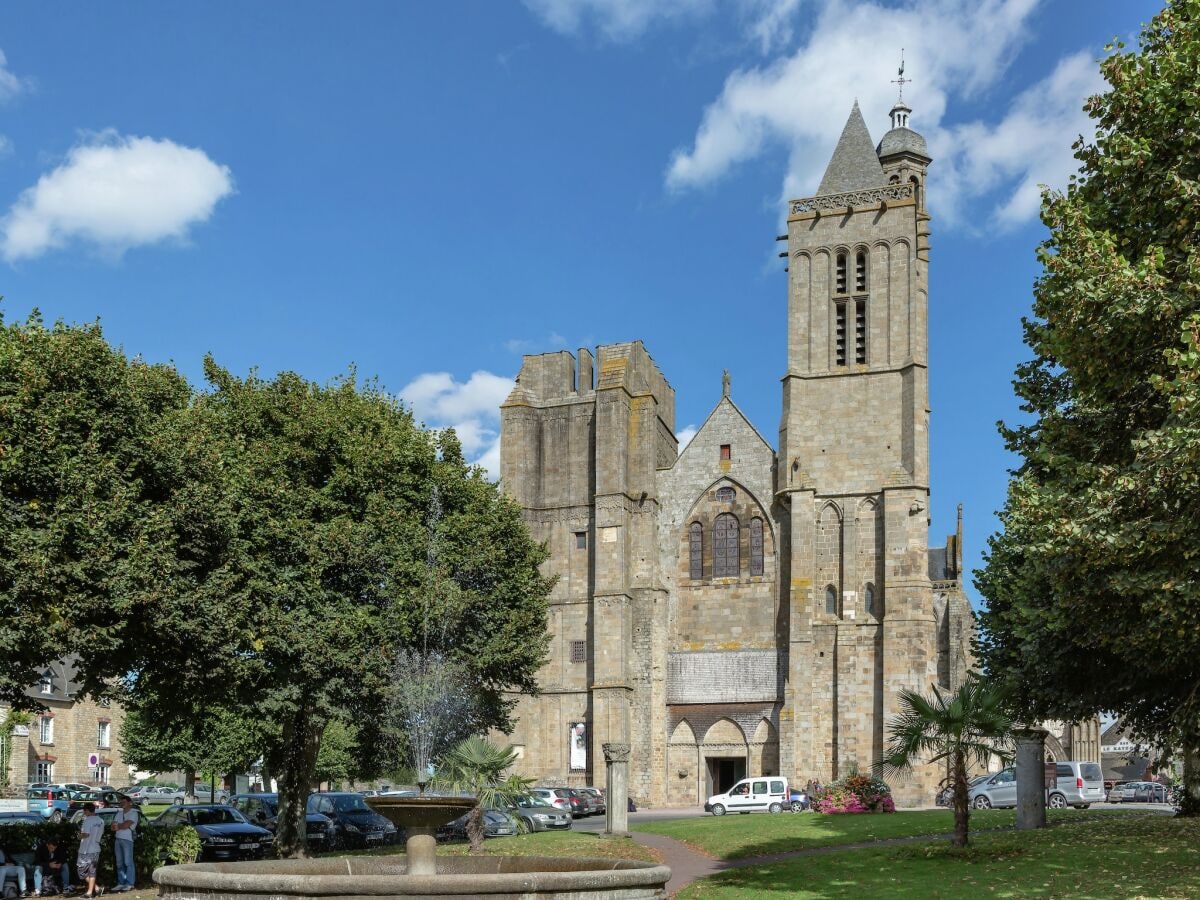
[
  {"x": 696, "y": 551},
  {"x": 726, "y": 557},
  {"x": 869, "y": 598},
  {"x": 756, "y": 546},
  {"x": 831, "y": 600}
]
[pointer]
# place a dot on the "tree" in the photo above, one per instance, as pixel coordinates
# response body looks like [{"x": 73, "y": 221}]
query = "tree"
[
  {"x": 965, "y": 727},
  {"x": 1092, "y": 597},
  {"x": 337, "y": 754},
  {"x": 478, "y": 766}
]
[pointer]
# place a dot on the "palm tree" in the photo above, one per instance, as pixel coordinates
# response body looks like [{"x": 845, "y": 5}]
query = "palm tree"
[
  {"x": 968, "y": 725},
  {"x": 478, "y": 766}
]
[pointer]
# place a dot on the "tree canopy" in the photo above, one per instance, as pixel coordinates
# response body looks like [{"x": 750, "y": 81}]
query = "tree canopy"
[{"x": 1093, "y": 586}]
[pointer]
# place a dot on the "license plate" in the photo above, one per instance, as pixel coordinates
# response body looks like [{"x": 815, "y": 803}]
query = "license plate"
[
  {"x": 375, "y": 837},
  {"x": 247, "y": 846}
]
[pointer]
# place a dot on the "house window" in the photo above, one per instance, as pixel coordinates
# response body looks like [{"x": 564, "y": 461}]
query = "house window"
[
  {"x": 47, "y": 683},
  {"x": 756, "y": 546},
  {"x": 725, "y": 494},
  {"x": 580, "y": 540},
  {"x": 840, "y": 331},
  {"x": 102, "y": 735},
  {"x": 46, "y": 730},
  {"x": 695, "y": 551},
  {"x": 726, "y": 452},
  {"x": 840, "y": 286},
  {"x": 860, "y": 271},
  {"x": 860, "y": 331},
  {"x": 102, "y": 774},
  {"x": 44, "y": 771},
  {"x": 725, "y": 547},
  {"x": 578, "y": 651},
  {"x": 831, "y": 600},
  {"x": 869, "y": 598}
]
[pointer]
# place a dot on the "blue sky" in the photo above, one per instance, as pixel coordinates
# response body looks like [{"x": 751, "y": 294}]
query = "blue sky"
[{"x": 427, "y": 191}]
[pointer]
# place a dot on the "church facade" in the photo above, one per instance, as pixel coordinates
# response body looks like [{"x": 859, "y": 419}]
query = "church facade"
[{"x": 734, "y": 608}]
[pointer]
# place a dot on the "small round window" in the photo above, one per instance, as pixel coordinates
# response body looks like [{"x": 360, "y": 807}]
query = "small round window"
[{"x": 725, "y": 495}]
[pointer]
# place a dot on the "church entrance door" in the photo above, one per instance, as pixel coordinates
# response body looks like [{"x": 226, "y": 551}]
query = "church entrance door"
[{"x": 724, "y": 773}]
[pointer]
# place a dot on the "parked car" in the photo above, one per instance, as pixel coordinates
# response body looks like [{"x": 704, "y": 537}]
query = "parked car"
[
  {"x": 354, "y": 823},
  {"x": 224, "y": 832},
  {"x": 765, "y": 793},
  {"x": 539, "y": 816},
  {"x": 559, "y": 798},
  {"x": 496, "y": 823},
  {"x": 596, "y": 798},
  {"x": 263, "y": 809},
  {"x": 107, "y": 815},
  {"x": 1079, "y": 784},
  {"x": 16, "y": 817},
  {"x": 580, "y": 805},
  {"x": 1144, "y": 792},
  {"x": 53, "y": 803}
]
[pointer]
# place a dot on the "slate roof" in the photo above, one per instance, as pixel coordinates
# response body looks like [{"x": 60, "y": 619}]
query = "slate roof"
[
  {"x": 938, "y": 570},
  {"x": 855, "y": 165},
  {"x": 900, "y": 140}
]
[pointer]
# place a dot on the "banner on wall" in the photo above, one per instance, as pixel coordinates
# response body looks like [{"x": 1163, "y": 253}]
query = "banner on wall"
[{"x": 578, "y": 741}]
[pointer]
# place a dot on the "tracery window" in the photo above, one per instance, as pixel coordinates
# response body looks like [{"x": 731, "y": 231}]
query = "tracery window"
[
  {"x": 756, "y": 546},
  {"x": 726, "y": 556},
  {"x": 696, "y": 551},
  {"x": 725, "y": 494}
]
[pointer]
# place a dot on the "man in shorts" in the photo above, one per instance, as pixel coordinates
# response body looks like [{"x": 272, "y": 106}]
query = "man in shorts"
[{"x": 91, "y": 829}]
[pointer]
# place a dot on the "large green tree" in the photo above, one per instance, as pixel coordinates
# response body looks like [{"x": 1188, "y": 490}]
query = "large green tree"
[{"x": 1093, "y": 586}]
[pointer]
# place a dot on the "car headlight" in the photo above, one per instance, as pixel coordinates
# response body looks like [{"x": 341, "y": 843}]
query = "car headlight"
[{"x": 352, "y": 829}]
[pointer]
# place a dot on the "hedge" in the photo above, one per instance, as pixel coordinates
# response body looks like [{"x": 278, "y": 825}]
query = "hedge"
[{"x": 154, "y": 846}]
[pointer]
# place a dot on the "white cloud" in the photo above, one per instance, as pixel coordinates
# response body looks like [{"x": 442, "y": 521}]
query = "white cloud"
[
  {"x": 114, "y": 193},
  {"x": 955, "y": 50},
  {"x": 471, "y": 408},
  {"x": 685, "y": 436},
  {"x": 617, "y": 20},
  {"x": 10, "y": 84},
  {"x": 770, "y": 22}
]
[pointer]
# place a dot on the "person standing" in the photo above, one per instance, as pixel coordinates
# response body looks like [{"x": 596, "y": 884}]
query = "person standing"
[
  {"x": 125, "y": 824},
  {"x": 91, "y": 829}
]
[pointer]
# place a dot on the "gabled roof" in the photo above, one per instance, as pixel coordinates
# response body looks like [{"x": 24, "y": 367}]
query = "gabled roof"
[{"x": 855, "y": 165}]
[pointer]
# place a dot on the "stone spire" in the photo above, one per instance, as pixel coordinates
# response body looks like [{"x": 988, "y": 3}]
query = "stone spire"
[{"x": 855, "y": 165}]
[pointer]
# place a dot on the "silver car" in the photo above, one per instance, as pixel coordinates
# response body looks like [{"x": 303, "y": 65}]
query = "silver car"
[
  {"x": 1078, "y": 784},
  {"x": 999, "y": 790},
  {"x": 539, "y": 816}
]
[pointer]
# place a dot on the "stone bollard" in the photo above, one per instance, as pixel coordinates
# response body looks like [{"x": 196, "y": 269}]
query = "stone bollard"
[
  {"x": 1031, "y": 777},
  {"x": 616, "y": 816}
]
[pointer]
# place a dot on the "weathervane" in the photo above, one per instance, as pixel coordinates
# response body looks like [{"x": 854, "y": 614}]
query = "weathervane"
[{"x": 900, "y": 79}]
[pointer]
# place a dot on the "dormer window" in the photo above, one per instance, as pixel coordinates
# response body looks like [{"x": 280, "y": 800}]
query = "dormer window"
[{"x": 47, "y": 683}]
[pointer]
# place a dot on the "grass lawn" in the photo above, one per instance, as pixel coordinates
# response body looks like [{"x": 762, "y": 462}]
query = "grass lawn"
[
  {"x": 1094, "y": 857},
  {"x": 556, "y": 843},
  {"x": 735, "y": 837}
]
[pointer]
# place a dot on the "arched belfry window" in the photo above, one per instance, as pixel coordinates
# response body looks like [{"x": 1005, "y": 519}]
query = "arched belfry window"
[
  {"x": 756, "y": 546},
  {"x": 696, "y": 551},
  {"x": 915, "y": 182},
  {"x": 860, "y": 271},
  {"x": 841, "y": 274},
  {"x": 869, "y": 598},
  {"x": 831, "y": 600},
  {"x": 726, "y": 556}
]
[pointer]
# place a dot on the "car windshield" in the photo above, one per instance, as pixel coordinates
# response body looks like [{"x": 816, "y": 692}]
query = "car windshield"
[
  {"x": 350, "y": 803},
  {"x": 215, "y": 815}
]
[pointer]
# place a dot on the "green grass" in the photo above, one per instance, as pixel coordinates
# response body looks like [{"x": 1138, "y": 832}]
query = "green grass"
[
  {"x": 735, "y": 837},
  {"x": 556, "y": 843},
  {"x": 1094, "y": 857}
]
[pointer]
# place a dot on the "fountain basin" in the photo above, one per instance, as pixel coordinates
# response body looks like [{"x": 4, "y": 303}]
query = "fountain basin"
[{"x": 352, "y": 877}]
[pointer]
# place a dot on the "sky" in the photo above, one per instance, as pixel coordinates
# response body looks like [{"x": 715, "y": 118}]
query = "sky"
[{"x": 426, "y": 192}]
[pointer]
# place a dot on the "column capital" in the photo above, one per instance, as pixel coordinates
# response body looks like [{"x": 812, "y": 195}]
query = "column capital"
[{"x": 615, "y": 753}]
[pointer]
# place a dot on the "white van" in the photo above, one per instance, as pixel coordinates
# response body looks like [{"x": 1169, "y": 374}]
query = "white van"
[{"x": 765, "y": 793}]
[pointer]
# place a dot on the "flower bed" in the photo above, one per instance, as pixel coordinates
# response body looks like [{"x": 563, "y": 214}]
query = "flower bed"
[{"x": 856, "y": 794}]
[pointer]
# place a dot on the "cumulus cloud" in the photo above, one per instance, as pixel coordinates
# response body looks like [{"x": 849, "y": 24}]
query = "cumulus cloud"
[
  {"x": 685, "y": 436},
  {"x": 10, "y": 84},
  {"x": 617, "y": 20},
  {"x": 114, "y": 193},
  {"x": 471, "y": 408},
  {"x": 956, "y": 50}
]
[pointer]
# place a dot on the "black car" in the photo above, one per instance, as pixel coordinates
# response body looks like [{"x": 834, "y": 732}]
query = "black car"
[
  {"x": 263, "y": 809},
  {"x": 354, "y": 823},
  {"x": 224, "y": 832},
  {"x": 16, "y": 817}
]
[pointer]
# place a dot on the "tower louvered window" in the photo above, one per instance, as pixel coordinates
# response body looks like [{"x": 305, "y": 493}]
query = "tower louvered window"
[
  {"x": 860, "y": 271},
  {"x": 756, "y": 546},
  {"x": 839, "y": 325},
  {"x": 725, "y": 546},
  {"x": 696, "y": 551},
  {"x": 860, "y": 331},
  {"x": 841, "y": 273}
]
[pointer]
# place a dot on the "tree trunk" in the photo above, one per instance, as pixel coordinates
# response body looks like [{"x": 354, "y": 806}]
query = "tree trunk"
[
  {"x": 295, "y": 772},
  {"x": 189, "y": 784},
  {"x": 475, "y": 829},
  {"x": 1189, "y": 795},
  {"x": 962, "y": 811}
]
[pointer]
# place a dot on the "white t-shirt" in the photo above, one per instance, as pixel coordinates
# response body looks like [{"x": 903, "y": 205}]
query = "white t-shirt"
[
  {"x": 126, "y": 834},
  {"x": 92, "y": 828}
]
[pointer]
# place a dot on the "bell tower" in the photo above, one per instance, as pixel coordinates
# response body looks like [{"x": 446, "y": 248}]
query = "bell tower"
[{"x": 853, "y": 469}]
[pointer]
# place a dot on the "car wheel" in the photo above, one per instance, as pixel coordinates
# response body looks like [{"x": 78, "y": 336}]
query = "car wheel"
[
  {"x": 1057, "y": 801},
  {"x": 56, "y": 817},
  {"x": 797, "y": 806},
  {"x": 982, "y": 802},
  {"x": 718, "y": 809},
  {"x": 775, "y": 808}
]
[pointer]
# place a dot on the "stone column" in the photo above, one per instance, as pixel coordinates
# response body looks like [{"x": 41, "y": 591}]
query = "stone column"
[
  {"x": 616, "y": 761},
  {"x": 1031, "y": 777}
]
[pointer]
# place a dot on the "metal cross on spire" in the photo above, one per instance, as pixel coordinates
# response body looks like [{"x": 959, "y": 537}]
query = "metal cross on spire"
[{"x": 900, "y": 79}]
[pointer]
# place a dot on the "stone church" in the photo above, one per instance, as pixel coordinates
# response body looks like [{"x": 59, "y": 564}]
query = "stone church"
[{"x": 736, "y": 608}]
